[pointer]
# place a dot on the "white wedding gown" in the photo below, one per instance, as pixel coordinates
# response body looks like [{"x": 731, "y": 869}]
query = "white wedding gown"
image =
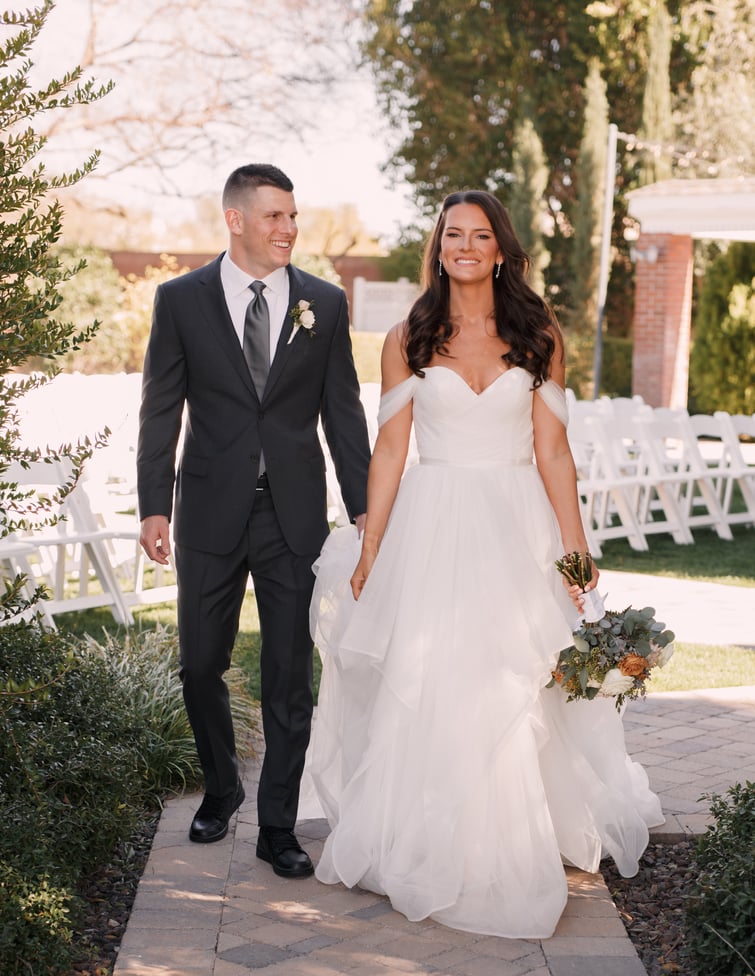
[{"x": 453, "y": 780}]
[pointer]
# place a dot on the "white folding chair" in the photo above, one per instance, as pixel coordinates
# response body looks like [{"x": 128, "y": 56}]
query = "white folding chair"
[
  {"x": 605, "y": 493},
  {"x": 676, "y": 460},
  {"x": 646, "y": 487},
  {"x": 738, "y": 439},
  {"x": 66, "y": 551},
  {"x": 16, "y": 559}
]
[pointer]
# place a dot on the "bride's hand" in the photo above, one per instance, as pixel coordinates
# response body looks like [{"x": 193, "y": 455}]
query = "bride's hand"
[
  {"x": 576, "y": 593},
  {"x": 359, "y": 577}
]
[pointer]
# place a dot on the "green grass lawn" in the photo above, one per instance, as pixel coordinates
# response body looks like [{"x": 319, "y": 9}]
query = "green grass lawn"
[
  {"x": 692, "y": 666},
  {"x": 710, "y": 558},
  {"x": 705, "y": 666}
]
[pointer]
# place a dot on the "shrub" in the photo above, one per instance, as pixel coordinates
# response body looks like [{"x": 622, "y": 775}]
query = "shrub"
[
  {"x": 147, "y": 664},
  {"x": 69, "y": 784},
  {"x": 722, "y": 361},
  {"x": 616, "y": 372},
  {"x": 720, "y": 915},
  {"x": 90, "y": 734},
  {"x": 35, "y": 927}
]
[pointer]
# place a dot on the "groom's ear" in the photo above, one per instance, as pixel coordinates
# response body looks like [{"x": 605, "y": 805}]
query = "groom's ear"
[{"x": 234, "y": 221}]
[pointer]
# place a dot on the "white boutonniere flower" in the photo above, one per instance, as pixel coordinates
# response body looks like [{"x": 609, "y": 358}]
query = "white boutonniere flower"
[{"x": 304, "y": 318}]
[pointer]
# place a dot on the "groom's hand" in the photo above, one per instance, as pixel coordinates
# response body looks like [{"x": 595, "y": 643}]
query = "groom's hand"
[{"x": 155, "y": 538}]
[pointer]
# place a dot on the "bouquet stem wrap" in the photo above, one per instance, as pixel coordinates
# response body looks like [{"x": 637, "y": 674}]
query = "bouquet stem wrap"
[{"x": 593, "y": 608}]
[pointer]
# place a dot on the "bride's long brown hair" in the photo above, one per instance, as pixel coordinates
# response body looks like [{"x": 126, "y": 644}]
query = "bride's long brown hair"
[{"x": 523, "y": 320}]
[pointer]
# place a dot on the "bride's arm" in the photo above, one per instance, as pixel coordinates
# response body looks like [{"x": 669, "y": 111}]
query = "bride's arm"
[
  {"x": 557, "y": 469},
  {"x": 388, "y": 460}
]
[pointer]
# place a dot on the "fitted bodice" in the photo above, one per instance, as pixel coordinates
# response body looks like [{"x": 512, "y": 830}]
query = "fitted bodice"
[{"x": 454, "y": 425}]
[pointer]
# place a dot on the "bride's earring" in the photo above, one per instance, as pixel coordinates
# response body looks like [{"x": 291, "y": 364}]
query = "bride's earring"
[
  {"x": 440, "y": 268},
  {"x": 498, "y": 269}
]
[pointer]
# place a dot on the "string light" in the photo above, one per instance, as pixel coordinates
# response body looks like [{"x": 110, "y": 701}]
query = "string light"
[{"x": 682, "y": 157}]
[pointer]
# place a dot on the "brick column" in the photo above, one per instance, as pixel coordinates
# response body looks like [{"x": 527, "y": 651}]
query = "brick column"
[{"x": 662, "y": 313}]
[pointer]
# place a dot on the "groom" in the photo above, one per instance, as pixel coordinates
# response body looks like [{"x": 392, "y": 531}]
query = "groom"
[{"x": 254, "y": 370}]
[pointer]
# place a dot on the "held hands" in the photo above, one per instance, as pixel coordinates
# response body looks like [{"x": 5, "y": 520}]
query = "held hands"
[{"x": 155, "y": 538}]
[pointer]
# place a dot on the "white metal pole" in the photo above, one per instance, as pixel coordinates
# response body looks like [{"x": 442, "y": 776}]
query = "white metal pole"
[{"x": 605, "y": 254}]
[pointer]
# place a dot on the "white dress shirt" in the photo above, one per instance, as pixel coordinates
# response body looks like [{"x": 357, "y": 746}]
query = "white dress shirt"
[{"x": 236, "y": 283}]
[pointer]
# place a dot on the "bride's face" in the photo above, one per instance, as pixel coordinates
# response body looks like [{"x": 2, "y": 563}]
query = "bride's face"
[{"x": 468, "y": 248}]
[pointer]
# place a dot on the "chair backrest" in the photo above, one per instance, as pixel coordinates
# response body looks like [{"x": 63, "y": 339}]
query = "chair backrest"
[
  {"x": 673, "y": 442},
  {"x": 744, "y": 424},
  {"x": 625, "y": 407},
  {"x": 733, "y": 428},
  {"x": 716, "y": 441}
]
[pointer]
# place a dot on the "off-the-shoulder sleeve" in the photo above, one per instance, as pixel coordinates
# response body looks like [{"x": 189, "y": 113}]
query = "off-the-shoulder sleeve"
[
  {"x": 396, "y": 399},
  {"x": 555, "y": 400}
]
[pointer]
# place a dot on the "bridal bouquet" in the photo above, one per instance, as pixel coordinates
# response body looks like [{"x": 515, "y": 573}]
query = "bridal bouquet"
[
  {"x": 576, "y": 568},
  {"x": 613, "y": 656}
]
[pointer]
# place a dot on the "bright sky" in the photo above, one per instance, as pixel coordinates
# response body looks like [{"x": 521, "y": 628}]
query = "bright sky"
[{"x": 338, "y": 164}]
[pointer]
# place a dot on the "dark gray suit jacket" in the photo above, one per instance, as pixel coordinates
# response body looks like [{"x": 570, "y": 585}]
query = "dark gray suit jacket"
[{"x": 194, "y": 358}]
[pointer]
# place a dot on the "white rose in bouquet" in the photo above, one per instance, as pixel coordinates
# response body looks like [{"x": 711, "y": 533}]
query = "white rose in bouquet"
[{"x": 615, "y": 683}]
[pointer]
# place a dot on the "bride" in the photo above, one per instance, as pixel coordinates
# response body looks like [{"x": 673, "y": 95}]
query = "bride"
[{"x": 454, "y": 782}]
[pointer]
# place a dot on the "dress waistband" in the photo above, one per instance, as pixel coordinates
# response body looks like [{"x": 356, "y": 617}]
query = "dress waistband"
[{"x": 504, "y": 463}]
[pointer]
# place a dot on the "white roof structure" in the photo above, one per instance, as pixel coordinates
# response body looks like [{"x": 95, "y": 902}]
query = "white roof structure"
[{"x": 714, "y": 209}]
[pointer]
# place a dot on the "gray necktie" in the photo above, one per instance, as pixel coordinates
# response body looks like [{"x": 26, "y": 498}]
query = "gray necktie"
[{"x": 257, "y": 338}]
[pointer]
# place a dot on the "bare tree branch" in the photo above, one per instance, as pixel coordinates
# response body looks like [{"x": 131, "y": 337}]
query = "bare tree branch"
[{"x": 194, "y": 81}]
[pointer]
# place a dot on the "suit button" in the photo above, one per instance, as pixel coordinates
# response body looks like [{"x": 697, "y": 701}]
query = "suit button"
[{"x": 261, "y": 415}]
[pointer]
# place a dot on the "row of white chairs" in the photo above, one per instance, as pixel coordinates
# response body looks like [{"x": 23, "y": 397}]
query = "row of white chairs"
[
  {"x": 645, "y": 470},
  {"x": 641, "y": 471},
  {"x": 90, "y": 557}
]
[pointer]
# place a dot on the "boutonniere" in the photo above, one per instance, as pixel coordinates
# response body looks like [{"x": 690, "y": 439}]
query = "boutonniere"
[{"x": 304, "y": 318}]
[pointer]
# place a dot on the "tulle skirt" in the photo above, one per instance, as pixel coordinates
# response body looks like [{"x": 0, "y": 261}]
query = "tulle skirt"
[{"x": 453, "y": 780}]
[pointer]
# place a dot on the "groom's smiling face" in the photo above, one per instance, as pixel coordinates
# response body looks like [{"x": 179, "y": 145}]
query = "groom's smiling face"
[{"x": 263, "y": 231}]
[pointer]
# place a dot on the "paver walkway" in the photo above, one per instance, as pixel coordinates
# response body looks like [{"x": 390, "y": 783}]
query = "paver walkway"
[{"x": 215, "y": 910}]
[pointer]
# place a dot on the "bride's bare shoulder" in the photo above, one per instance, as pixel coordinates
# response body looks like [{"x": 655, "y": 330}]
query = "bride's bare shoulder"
[{"x": 393, "y": 362}]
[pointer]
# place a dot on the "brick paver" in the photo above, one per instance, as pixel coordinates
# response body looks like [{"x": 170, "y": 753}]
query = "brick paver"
[{"x": 216, "y": 910}]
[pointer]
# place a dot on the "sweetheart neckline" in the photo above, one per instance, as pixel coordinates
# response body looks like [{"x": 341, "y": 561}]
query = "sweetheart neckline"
[{"x": 471, "y": 390}]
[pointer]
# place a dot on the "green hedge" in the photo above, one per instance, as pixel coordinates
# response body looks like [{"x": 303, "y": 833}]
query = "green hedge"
[
  {"x": 70, "y": 783},
  {"x": 720, "y": 916},
  {"x": 90, "y": 736},
  {"x": 616, "y": 371}
]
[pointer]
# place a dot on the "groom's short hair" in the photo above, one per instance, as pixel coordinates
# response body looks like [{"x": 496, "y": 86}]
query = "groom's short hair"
[{"x": 250, "y": 177}]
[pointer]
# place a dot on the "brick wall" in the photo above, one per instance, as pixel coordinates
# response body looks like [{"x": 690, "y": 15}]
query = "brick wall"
[
  {"x": 348, "y": 266},
  {"x": 662, "y": 314}
]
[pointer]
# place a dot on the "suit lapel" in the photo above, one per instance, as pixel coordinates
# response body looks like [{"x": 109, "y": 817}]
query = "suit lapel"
[
  {"x": 213, "y": 308},
  {"x": 284, "y": 348}
]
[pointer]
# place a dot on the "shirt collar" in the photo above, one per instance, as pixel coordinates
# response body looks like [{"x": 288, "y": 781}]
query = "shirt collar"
[{"x": 237, "y": 281}]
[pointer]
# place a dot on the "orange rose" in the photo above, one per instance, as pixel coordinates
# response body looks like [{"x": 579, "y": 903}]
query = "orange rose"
[
  {"x": 633, "y": 666},
  {"x": 557, "y": 676}
]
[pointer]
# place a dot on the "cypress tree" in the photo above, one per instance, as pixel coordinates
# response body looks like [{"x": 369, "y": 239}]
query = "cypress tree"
[
  {"x": 526, "y": 205},
  {"x": 657, "y": 126},
  {"x": 590, "y": 175}
]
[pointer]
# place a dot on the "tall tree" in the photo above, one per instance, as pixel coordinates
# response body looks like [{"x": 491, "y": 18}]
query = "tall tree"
[
  {"x": 31, "y": 273},
  {"x": 452, "y": 76},
  {"x": 526, "y": 199},
  {"x": 588, "y": 213},
  {"x": 657, "y": 127},
  {"x": 714, "y": 112}
]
